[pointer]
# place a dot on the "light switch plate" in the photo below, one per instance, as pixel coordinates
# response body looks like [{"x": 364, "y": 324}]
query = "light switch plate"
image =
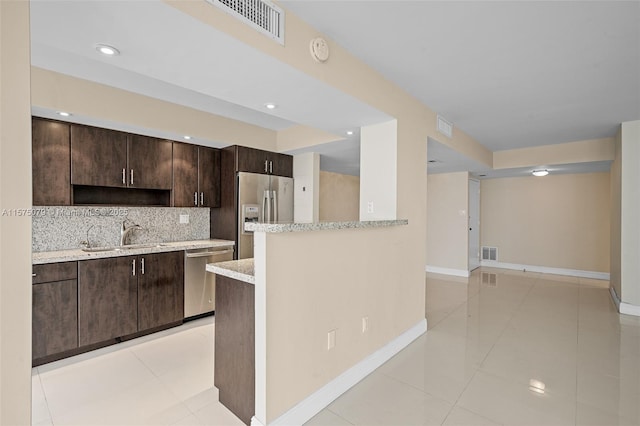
[{"x": 184, "y": 218}]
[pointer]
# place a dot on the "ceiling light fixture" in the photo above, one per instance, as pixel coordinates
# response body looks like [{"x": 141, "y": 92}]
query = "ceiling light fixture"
[
  {"x": 107, "y": 50},
  {"x": 270, "y": 106},
  {"x": 63, "y": 114},
  {"x": 187, "y": 137},
  {"x": 540, "y": 173},
  {"x": 349, "y": 132}
]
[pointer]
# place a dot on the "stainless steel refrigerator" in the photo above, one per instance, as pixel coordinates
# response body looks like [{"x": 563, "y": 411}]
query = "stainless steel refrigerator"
[{"x": 264, "y": 199}]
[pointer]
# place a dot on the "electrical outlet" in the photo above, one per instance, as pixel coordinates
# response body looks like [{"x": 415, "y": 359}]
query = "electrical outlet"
[
  {"x": 365, "y": 324},
  {"x": 331, "y": 339},
  {"x": 370, "y": 207},
  {"x": 184, "y": 218}
]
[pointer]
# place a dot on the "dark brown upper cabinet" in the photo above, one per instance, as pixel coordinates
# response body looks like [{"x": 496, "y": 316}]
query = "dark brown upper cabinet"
[
  {"x": 51, "y": 163},
  {"x": 196, "y": 176},
  {"x": 150, "y": 162},
  {"x": 98, "y": 156},
  {"x": 266, "y": 162},
  {"x": 103, "y": 157}
]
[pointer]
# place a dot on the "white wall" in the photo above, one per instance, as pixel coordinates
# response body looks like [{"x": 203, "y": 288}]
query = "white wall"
[
  {"x": 378, "y": 171},
  {"x": 447, "y": 221},
  {"x": 339, "y": 197},
  {"x": 630, "y": 235},
  {"x": 15, "y": 231},
  {"x": 556, "y": 221},
  {"x": 306, "y": 184}
]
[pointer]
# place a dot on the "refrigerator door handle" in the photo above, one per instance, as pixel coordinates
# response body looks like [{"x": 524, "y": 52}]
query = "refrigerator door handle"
[
  {"x": 275, "y": 207},
  {"x": 266, "y": 207}
]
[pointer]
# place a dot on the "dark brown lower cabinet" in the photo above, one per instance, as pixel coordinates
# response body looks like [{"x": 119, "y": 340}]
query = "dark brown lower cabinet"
[
  {"x": 107, "y": 299},
  {"x": 160, "y": 289},
  {"x": 234, "y": 367},
  {"x": 55, "y": 317},
  {"x": 81, "y": 306}
]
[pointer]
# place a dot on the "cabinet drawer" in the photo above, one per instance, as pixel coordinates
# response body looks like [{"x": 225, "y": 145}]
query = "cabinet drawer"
[{"x": 55, "y": 272}]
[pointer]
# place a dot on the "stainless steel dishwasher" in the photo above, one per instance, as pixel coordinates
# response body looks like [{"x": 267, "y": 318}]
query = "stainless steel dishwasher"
[{"x": 199, "y": 285}]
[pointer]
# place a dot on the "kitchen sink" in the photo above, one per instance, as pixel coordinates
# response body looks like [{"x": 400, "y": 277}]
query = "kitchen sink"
[
  {"x": 128, "y": 247},
  {"x": 98, "y": 249}
]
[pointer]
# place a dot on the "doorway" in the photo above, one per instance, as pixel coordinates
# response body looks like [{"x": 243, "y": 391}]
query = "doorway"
[{"x": 474, "y": 224}]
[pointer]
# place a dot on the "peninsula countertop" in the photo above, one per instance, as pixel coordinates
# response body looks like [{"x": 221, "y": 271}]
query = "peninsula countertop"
[
  {"x": 39, "y": 258},
  {"x": 241, "y": 270},
  {"x": 321, "y": 226}
]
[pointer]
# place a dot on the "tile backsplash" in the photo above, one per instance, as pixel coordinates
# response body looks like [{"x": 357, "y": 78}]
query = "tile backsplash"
[{"x": 61, "y": 228}]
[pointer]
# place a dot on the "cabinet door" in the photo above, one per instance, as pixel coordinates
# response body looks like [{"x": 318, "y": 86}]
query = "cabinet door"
[
  {"x": 51, "y": 166},
  {"x": 209, "y": 176},
  {"x": 281, "y": 164},
  {"x": 107, "y": 299},
  {"x": 185, "y": 175},
  {"x": 149, "y": 163},
  {"x": 98, "y": 156},
  {"x": 252, "y": 160},
  {"x": 55, "y": 317},
  {"x": 160, "y": 289}
]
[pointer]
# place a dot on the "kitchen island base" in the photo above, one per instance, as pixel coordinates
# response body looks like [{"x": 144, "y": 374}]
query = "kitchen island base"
[{"x": 234, "y": 368}]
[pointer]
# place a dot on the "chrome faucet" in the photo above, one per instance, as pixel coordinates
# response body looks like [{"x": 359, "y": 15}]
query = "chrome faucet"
[
  {"x": 87, "y": 242},
  {"x": 124, "y": 232}
]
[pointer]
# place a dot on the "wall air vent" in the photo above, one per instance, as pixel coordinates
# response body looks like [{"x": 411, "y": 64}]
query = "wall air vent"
[
  {"x": 489, "y": 253},
  {"x": 445, "y": 127},
  {"x": 263, "y": 15},
  {"x": 489, "y": 279}
]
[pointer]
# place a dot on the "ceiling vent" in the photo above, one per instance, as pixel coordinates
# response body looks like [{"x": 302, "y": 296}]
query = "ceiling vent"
[
  {"x": 445, "y": 127},
  {"x": 262, "y": 15},
  {"x": 489, "y": 253}
]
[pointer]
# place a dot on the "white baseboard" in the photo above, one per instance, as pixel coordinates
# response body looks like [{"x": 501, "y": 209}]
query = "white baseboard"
[
  {"x": 447, "y": 271},
  {"x": 547, "y": 270},
  {"x": 316, "y": 402},
  {"x": 624, "y": 308}
]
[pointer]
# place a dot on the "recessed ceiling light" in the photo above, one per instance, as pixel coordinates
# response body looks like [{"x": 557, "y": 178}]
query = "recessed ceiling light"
[
  {"x": 187, "y": 137},
  {"x": 540, "y": 173},
  {"x": 63, "y": 114},
  {"x": 107, "y": 50},
  {"x": 270, "y": 106},
  {"x": 349, "y": 132}
]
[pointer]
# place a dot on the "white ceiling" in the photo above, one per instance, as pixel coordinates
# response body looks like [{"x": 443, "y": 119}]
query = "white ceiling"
[
  {"x": 171, "y": 56},
  {"x": 511, "y": 74}
]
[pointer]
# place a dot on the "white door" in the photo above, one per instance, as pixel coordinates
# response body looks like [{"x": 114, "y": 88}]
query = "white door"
[{"x": 474, "y": 224}]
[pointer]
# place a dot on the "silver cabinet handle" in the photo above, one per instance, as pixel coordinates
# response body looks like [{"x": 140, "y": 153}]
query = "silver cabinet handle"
[
  {"x": 270, "y": 166},
  {"x": 202, "y": 198},
  {"x": 142, "y": 265},
  {"x": 265, "y": 165},
  {"x": 133, "y": 267},
  {"x": 195, "y": 198},
  {"x": 131, "y": 176},
  {"x": 124, "y": 174},
  {"x": 33, "y": 275}
]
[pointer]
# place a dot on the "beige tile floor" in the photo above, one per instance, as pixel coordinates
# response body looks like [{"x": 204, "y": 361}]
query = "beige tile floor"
[{"x": 525, "y": 348}]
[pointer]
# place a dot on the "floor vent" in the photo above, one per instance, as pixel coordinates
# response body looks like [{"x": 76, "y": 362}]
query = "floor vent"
[
  {"x": 489, "y": 279},
  {"x": 489, "y": 253},
  {"x": 263, "y": 15}
]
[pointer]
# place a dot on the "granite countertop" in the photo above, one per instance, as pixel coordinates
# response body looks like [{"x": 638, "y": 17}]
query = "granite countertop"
[
  {"x": 321, "y": 226},
  {"x": 241, "y": 270},
  {"x": 133, "y": 250}
]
